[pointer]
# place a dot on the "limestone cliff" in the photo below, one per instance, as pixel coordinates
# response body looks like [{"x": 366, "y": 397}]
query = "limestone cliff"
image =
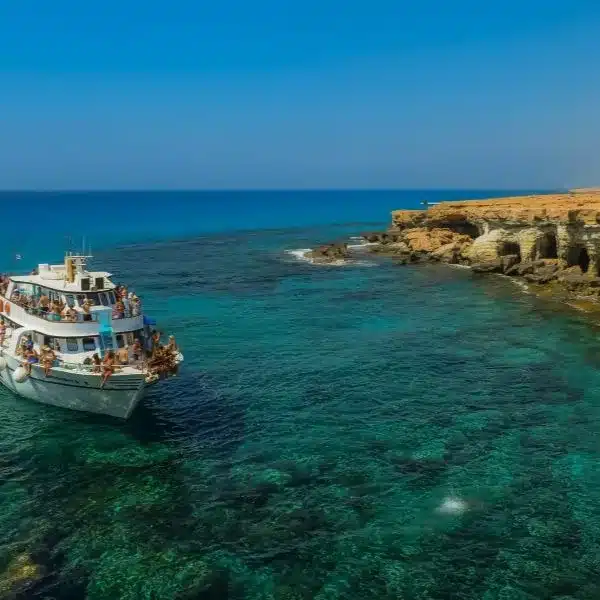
[
  {"x": 546, "y": 239},
  {"x": 558, "y": 226}
]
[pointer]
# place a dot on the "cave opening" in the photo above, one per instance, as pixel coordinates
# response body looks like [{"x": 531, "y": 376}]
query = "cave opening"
[
  {"x": 584, "y": 260},
  {"x": 548, "y": 247},
  {"x": 507, "y": 248},
  {"x": 466, "y": 228}
]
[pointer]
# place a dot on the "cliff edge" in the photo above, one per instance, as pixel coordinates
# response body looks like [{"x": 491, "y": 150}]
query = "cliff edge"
[
  {"x": 551, "y": 240},
  {"x": 565, "y": 227}
]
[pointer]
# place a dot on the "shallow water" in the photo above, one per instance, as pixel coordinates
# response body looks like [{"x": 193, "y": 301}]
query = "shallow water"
[{"x": 337, "y": 432}]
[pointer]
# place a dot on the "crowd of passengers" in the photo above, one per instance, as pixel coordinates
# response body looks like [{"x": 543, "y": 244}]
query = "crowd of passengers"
[
  {"x": 156, "y": 358},
  {"x": 127, "y": 304}
]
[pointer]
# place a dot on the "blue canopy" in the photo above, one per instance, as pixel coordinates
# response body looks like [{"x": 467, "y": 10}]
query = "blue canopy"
[{"x": 149, "y": 320}]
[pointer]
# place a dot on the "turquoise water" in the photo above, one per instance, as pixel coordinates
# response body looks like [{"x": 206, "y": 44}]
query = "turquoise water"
[{"x": 359, "y": 432}]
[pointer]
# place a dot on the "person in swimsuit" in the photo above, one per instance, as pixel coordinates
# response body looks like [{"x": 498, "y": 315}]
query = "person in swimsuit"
[
  {"x": 108, "y": 367},
  {"x": 47, "y": 358},
  {"x": 31, "y": 358},
  {"x": 123, "y": 356}
]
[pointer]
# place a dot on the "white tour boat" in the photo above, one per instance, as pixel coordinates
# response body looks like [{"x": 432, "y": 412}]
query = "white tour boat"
[{"x": 82, "y": 317}]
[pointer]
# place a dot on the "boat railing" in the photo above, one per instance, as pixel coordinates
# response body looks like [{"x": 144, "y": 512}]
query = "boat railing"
[{"x": 87, "y": 368}]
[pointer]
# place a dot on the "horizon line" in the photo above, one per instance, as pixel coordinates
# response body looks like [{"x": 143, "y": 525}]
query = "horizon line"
[{"x": 277, "y": 190}]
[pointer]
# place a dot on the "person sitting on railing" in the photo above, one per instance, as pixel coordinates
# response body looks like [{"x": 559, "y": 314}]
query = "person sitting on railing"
[
  {"x": 172, "y": 345},
  {"x": 155, "y": 341},
  {"x": 2, "y": 331},
  {"x": 108, "y": 367},
  {"x": 119, "y": 310},
  {"x": 97, "y": 363},
  {"x": 47, "y": 358},
  {"x": 31, "y": 358}
]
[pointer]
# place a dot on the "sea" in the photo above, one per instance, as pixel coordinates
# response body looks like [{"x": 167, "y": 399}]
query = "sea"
[{"x": 359, "y": 431}]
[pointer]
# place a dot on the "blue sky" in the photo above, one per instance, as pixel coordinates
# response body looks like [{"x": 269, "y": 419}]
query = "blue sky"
[{"x": 311, "y": 94}]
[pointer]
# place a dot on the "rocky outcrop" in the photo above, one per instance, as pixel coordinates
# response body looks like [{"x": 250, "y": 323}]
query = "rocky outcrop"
[
  {"x": 328, "y": 253},
  {"x": 543, "y": 238}
]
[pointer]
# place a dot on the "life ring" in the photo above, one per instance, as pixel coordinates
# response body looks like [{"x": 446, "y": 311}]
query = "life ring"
[{"x": 7, "y": 308}]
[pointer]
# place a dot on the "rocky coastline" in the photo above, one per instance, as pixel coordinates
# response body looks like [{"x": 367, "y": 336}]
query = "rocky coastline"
[{"x": 552, "y": 242}]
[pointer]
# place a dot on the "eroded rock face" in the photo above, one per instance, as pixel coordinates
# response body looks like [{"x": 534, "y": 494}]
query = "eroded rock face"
[{"x": 547, "y": 239}]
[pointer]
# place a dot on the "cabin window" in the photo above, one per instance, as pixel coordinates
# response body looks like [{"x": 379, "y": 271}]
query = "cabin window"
[
  {"x": 112, "y": 297},
  {"x": 70, "y": 299},
  {"x": 120, "y": 341},
  {"x": 89, "y": 344},
  {"x": 129, "y": 338},
  {"x": 72, "y": 345},
  {"x": 104, "y": 299},
  {"x": 54, "y": 296}
]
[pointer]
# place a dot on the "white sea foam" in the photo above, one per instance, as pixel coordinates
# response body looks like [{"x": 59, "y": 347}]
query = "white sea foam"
[
  {"x": 521, "y": 284},
  {"x": 300, "y": 254},
  {"x": 453, "y": 506},
  {"x": 360, "y": 246}
]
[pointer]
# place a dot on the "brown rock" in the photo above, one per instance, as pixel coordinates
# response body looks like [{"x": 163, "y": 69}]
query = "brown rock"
[
  {"x": 493, "y": 266},
  {"x": 449, "y": 253},
  {"x": 509, "y": 261},
  {"x": 381, "y": 237},
  {"x": 423, "y": 239},
  {"x": 524, "y": 268},
  {"x": 329, "y": 253}
]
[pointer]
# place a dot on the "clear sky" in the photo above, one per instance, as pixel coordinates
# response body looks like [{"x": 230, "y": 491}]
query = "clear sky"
[{"x": 310, "y": 94}]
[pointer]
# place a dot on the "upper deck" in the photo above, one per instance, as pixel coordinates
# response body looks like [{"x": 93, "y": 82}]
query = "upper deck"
[{"x": 68, "y": 300}]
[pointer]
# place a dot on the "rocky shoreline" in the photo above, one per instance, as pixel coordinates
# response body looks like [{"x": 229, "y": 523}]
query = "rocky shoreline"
[{"x": 550, "y": 241}]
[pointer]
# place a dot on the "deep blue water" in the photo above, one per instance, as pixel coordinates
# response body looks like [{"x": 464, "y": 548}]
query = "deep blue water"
[{"x": 323, "y": 420}]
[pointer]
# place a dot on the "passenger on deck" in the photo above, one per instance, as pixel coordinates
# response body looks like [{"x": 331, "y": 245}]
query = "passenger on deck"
[
  {"x": 172, "y": 345},
  {"x": 136, "y": 306},
  {"x": 97, "y": 364},
  {"x": 137, "y": 351},
  {"x": 2, "y": 331},
  {"x": 31, "y": 358},
  {"x": 55, "y": 311},
  {"x": 47, "y": 358},
  {"x": 155, "y": 341},
  {"x": 44, "y": 304},
  {"x": 119, "y": 310},
  {"x": 85, "y": 307},
  {"x": 70, "y": 314},
  {"x": 123, "y": 356},
  {"x": 108, "y": 367}
]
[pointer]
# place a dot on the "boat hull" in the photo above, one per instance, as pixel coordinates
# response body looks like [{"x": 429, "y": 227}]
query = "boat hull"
[{"x": 77, "y": 391}]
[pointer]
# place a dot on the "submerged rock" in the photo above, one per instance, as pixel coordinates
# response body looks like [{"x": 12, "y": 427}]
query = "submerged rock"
[{"x": 22, "y": 573}]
